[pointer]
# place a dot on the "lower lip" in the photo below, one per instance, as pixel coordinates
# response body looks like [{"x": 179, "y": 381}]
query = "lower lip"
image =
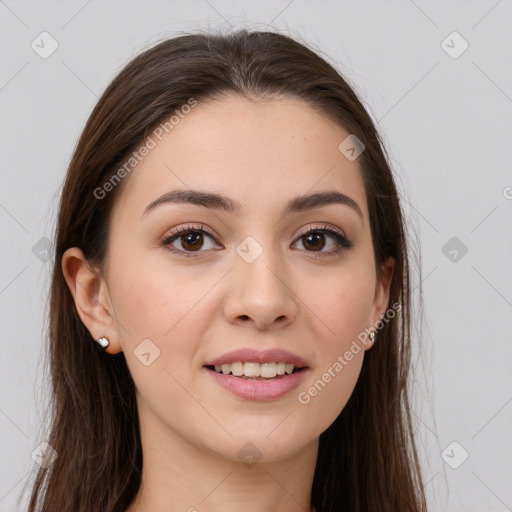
[{"x": 259, "y": 389}]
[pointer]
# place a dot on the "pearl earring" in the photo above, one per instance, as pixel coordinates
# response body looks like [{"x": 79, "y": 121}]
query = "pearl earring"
[{"x": 103, "y": 342}]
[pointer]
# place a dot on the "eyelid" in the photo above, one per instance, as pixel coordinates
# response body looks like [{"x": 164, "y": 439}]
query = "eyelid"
[
  {"x": 321, "y": 226},
  {"x": 185, "y": 229}
]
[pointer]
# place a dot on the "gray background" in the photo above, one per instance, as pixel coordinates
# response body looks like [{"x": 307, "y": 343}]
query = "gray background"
[{"x": 446, "y": 123}]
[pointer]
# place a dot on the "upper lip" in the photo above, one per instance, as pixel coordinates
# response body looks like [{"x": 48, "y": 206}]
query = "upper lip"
[{"x": 259, "y": 356}]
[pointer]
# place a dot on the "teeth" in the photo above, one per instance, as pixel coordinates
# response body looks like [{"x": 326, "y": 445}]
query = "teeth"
[
  {"x": 268, "y": 370},
  {"x": 237, "y": 369},
  {"x": 249, "y": 369},
  {"x": 252, "y": 369}
]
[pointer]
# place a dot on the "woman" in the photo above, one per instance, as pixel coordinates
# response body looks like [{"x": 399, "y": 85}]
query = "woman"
[{"x": 230, "y": 302}]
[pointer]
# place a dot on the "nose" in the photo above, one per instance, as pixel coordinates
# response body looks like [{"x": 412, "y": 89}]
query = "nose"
[{"x": 260, "y": 294}]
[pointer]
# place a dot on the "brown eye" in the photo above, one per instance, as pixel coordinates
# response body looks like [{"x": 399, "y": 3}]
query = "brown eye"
[
  {"x": 189, "y": 240},
  {"x": 192, "y": 241},
  {"x": 314, "y": 241}
]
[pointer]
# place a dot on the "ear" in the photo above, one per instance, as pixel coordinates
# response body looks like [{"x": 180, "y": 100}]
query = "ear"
[
  {"x": 92, "y": 300},
  {"x": 381, "y": 297}
]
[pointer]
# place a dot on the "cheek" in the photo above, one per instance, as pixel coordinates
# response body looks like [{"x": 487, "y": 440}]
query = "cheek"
[
  {"x": 342, "y": 303},
  {"x": 341, "y": 355},
  {"x": 150, "y": 303},
  {"x": 158, "y": 328},
  {"x": 171, "y": 309}
]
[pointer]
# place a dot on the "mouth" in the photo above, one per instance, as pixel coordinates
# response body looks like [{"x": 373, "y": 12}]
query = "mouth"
[
  {"x": 257, "y": 381},
  {"x": 254, "y": 371}
]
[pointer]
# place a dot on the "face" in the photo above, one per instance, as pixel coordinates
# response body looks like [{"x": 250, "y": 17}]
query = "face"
[{"x": 190, "y": 283}]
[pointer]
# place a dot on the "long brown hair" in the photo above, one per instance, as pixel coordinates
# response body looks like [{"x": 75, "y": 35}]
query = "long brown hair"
[{"x": 367, "y": 458}]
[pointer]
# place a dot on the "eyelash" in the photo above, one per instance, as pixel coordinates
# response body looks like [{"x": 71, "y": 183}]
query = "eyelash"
[{"x": 341, "y": 240}]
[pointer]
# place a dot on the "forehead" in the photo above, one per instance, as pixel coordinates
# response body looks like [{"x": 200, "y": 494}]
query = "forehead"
[{"x": 259, "y": 152}]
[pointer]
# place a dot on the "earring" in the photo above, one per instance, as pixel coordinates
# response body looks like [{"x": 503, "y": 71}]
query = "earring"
[
  {"x": 372, "y": 336},
  {"x": 103, "y": 342}
]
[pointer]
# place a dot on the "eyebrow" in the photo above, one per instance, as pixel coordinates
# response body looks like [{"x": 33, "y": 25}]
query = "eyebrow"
[{"x": 219, "y": 202}]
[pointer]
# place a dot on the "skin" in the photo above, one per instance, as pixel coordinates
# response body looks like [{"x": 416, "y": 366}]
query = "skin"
[{"x": 261, "y": 153}]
